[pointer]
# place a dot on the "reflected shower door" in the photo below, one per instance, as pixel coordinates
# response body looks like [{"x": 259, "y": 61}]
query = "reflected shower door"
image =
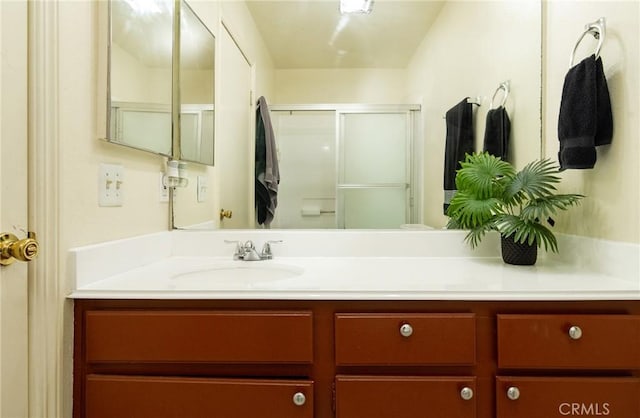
[
  {"x": 374, "y": 169},
  {"x": 307, "y": 159}
]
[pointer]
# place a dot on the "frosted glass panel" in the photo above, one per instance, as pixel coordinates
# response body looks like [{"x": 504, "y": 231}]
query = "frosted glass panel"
[
  {"x": 307, "y": 162},
  {"x": 206, "y": 141},
  {"x": 146, "y": 129},
  {"x": 189, "y": 136},
  {"x": 375, "y": 148},
  {"x": 381, "y": 208}
]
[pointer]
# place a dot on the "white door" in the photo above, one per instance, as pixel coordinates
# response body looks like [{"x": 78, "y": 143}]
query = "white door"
[
  {"x": 13, "y": 207},
  {"x": 234, "y": 147}
]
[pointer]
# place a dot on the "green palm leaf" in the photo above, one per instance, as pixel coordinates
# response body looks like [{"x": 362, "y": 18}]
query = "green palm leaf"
[
  {"x": 525, "y": 231},
  {"x": 470, "y": 211},
  {"x": 483, "y": 175},
  {"x": 543, "y": 208},
  {"x": 535, "y": 180}
]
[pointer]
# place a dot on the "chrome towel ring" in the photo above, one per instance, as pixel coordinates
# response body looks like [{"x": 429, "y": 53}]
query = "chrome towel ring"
[
  {"x": 597, "y": 29},
  {"x": 506, "y": 88}
]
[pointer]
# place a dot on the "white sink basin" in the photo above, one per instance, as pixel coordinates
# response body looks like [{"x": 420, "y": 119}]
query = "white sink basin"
[{"x": 236, "y": 274}]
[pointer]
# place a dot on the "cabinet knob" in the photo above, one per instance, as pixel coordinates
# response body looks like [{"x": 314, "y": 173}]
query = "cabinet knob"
[
  {"x": 406, "y": 330},
  {"x": 466, "y": 393},
  {"x": 513, "y": 393},
  {"x": 575, "y": 332},
  {"x": 299, "y": 399}
]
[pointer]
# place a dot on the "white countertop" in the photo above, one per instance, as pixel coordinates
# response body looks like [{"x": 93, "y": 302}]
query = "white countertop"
[
  {"x": 349, "y": 265},
  {"x": 165, "y": 272}
]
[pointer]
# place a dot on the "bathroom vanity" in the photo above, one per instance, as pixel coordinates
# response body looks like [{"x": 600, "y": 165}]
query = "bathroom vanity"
[{"x": 347, "y": 337}]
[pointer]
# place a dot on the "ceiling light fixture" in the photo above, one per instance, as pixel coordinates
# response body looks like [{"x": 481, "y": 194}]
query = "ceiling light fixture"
[{"x": 356, "y": 6}]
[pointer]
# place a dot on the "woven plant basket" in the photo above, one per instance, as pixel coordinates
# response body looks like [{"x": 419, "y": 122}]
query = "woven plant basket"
[{"x": 520, "y": 254}]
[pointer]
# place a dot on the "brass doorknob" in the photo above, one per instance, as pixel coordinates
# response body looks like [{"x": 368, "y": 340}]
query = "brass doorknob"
[
  {"x": 12, "y": 248},
  {"x": 225, "y": 214}
]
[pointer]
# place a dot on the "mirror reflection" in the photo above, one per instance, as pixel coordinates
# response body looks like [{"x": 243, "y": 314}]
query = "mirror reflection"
[
  {"x": 139, "y": 79},
  {"x": 324, "y": 74},
  {"x": 197, "y": 57}
]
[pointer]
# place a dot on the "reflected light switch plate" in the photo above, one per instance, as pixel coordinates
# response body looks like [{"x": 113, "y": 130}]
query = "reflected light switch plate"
[{"x": 202, "y": 188}]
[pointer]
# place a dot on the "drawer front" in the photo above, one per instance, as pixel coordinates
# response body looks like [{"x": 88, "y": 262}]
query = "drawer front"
[
  {"x": 405, "y": 339},
  {"x": 405, "y": 397},
  {"x": 158, "y": 397},
  {"x": 561, "y": 397},
  {"x": 569, "y": 341},
  {"x": 199, "y": 336}
]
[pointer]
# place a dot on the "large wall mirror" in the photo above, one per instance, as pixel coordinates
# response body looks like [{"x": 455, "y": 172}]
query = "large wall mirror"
[
  {"x": 141, "y": 58},
  {"x": 327, "y": 71},
  {"x": 139, "y": 89}
]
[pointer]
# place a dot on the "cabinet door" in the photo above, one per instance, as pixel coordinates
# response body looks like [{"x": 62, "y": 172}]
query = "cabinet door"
[
  {"x": 405, "y": 397},
  {"x": 200, "y": 336},
  {"x": 164, "y": 397},
  {"x": 569, "y": 341},
  {"x": 405, "y": 339},
  {"x": 536, "y": 397}
]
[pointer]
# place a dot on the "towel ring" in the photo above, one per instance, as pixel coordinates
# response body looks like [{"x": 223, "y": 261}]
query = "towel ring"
[
  {"x": 504, "y": 86},
  {"x": 597, "y": 29}
]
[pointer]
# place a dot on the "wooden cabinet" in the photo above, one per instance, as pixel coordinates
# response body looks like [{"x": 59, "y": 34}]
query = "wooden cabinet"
[
  {"x": 556, "y": 397},
  {"x": 171, "y": 397},
  {"x": 199, "y": 336},
  {"x": 569, "y": 341},
  {"x": 593, "y": 353},
  {"x": 405, "y": 396},
  {"x": 352, "y": 359},
  {"x": 405, "y": 339}
]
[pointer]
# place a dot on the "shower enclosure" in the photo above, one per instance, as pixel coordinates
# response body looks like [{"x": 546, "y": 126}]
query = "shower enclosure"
[{"x": 347, "y": 166}]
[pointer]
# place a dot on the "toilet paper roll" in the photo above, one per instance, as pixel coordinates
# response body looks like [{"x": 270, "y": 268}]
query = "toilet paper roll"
[{"x": 311, "y": 211}]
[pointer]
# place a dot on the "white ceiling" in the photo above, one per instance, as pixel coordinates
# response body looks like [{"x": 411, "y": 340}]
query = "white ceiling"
[{"x": 313, "y": 34}]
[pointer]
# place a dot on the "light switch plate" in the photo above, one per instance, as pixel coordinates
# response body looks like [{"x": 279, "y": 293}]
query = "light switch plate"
[
  {"x": 202, "y": 188},
  {"x": 110, "y": 185}
]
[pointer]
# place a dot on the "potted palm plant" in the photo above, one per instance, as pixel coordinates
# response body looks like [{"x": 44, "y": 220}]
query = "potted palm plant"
[{"x": 492, "y": 196}]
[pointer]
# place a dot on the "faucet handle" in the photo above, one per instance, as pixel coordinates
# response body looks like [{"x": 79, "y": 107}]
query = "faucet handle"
[
  {"x": 239, "y": 250},
  {"x": 266, "y": 249}
]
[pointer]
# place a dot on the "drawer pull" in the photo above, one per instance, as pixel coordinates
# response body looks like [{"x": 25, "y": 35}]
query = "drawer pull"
[
  {"x": 575, "y": 332},
  {"x": 513, "y": 393},
  {"x": 299, "y": 399},
  {"x": 466, "y": 393},
  {"x": 406, "y": 330}
]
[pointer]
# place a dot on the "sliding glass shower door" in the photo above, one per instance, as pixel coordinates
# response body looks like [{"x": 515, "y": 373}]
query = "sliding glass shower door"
[
  {"x": 373, "y": 169},
  {"x": 344, "y": 166}
]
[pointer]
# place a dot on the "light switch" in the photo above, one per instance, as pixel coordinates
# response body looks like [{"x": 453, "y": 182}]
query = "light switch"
[
  {"x": 202, "y": 188},
  {"x": 110, "y": 185}
]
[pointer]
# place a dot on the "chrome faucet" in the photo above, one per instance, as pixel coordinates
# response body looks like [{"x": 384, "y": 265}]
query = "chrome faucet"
[{"x": 248, "y": 252}]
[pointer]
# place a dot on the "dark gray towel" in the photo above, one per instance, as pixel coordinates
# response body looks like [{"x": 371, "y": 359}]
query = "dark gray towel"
[
  {"x": 267, "y": 173},
  {"x": 496, "y": 134},
  {"x": 459, "y": 142},
  {"x": 585, "y": 119}
]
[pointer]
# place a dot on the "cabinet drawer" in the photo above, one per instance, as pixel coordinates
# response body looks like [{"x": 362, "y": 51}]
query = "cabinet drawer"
[
  {"x": 199, "y": 336},
  {"x": 405, "y": 397},
  {"x": 535, "y": 397},
  {"x": 426, "y": 339},
  {"x": 548, "y": 341},
  {"x": 159, "y": 397}
]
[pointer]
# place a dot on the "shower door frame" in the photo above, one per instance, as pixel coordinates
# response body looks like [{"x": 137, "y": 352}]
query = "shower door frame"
[{"x": 413, "y": 200}]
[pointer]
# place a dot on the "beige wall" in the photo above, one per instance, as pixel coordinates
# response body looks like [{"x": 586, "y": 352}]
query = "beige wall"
[
  {"x": 369, "y": 86},
  {"x": 612, "y": 206},
  {"x": 476, "y": 57}
]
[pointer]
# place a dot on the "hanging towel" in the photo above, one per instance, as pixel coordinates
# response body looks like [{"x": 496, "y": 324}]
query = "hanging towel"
[
  {"x": 585, "y": 119},
  {"x": 267, "y": 173},
  {"x": 496, "y": 134},
  {"x": 459, "y": 142}
]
